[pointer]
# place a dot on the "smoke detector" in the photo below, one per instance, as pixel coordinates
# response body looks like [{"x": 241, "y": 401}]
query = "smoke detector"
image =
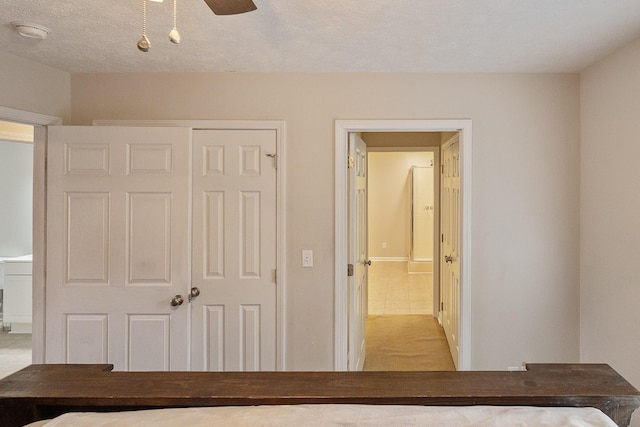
[{"x": 31, "y": 30}]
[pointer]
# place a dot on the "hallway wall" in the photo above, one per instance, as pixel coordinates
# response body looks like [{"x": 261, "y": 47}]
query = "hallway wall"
[{"x": 389, "y": 202}]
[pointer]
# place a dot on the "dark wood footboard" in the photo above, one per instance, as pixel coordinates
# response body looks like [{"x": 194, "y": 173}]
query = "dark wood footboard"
[{"x": 44, "y": 391}]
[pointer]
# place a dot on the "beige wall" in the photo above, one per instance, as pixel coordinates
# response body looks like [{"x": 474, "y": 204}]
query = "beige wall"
[
  {"x": 525, "y": 187},
  {"x": 389, "y": 198},
  {"x": 610, "y": 212},
  {"x": 29, "y": 86}
]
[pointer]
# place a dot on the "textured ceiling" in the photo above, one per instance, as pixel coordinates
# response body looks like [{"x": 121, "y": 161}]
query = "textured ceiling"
[{"x": 326, "y": 35}]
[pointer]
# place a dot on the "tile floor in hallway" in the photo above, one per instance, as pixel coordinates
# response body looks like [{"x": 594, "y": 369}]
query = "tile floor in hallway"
[{"x": 393, "y": 291}]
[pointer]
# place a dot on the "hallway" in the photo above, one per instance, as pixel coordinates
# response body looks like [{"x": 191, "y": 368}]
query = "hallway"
[
  {"x": 401, "y": 333},
  {"x": 393, "y": 291}
]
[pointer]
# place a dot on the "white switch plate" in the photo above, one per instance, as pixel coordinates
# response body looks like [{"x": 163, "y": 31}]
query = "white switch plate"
[{"x": 307, "y": 258}]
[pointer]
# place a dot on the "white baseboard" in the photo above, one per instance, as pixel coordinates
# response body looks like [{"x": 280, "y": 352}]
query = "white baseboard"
[{"x": 420, "y": 267}]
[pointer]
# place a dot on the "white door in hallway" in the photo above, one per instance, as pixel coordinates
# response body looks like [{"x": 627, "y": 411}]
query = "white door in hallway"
[
  {"x": 450, "y": 245},
  {"x": 234, "y": 250},
  {"x": 117, "y": 247},
  {"x": 358, "y": 250}
]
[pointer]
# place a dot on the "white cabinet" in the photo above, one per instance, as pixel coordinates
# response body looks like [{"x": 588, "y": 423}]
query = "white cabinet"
[{"x": 17, "y": 294}]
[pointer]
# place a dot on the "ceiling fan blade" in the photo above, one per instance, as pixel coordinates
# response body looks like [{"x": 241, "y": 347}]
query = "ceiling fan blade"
[{"x": 230, "y": 7}]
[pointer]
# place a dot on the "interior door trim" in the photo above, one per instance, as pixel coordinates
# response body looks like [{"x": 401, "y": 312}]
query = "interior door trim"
[
  {"x": 342, "y": 130},
  {"x": 39, "y": 121},
  {"x": 279, "y": 126}
]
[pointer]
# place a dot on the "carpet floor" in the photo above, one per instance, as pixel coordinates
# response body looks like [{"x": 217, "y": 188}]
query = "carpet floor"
[
  {"x": 15, "y": 352},
  {"x": 406, "y": 343}
]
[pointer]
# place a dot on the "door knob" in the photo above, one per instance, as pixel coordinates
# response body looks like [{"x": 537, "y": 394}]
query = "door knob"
[
  {"x": 367, "y": 262},
  {"x": 448, "y": 258},
  {"x": 176, "y": 301},
  {"x": 194, "y": 293}
]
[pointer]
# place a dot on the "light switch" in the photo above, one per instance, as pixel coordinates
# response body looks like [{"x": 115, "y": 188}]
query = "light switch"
[{"x": 307, "y": 258}]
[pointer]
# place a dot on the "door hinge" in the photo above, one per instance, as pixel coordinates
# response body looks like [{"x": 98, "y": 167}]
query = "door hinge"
[
  {"x": 352, "y": 162},
  {"x": 275, "y": 276},
  {"x": 441, "y": 306},
  {"x": 274, "y": 157},
  {"x": 442, "y": 238},
  {"x": 441, "y": 169},
  {"x": 349, "y": 270}
]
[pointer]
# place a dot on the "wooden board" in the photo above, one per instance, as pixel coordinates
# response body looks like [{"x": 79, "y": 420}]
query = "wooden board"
[{"x": 44, "y": 391}]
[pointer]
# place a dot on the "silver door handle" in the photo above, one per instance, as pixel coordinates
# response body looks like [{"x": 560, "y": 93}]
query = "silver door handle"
[
  {"x": 194, "y": 293},
  {"x": 176, "y": 301}
]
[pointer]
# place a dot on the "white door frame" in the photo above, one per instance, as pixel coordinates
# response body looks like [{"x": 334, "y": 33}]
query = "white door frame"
[
  {"x": 342, "y": 130},
  {"x": 39, "y": 121},
  {"x": 280, "y": 127}
]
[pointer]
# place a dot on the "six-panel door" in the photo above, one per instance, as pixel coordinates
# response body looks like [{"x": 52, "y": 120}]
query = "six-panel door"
[
  {"x": 158, "y": 261},
  {"x": 117, "y": 246},
  {"x": 234, "y": 250},
  {"x": 450, "y": 247},
  {"x": 358, "y": 251}
]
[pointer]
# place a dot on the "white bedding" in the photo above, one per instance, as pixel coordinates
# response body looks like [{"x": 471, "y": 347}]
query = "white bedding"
[{"x": 342, "y": 416}]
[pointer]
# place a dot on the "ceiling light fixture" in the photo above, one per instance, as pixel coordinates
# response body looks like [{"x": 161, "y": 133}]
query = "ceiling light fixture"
[{"x": 31, "y": 30}]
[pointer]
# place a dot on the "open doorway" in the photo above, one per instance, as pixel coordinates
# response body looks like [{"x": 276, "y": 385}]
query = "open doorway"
[
  {"x": 39, "y": 122},
  {"x": 16, "y": 225},
  {"x": 402, "y": 328},
  {"x": 345, "y": 128}
]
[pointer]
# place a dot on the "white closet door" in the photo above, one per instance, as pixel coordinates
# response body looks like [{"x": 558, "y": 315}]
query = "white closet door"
[
  {"x": 234, "y": 250},
  {"x": 118, "y": 247}
]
